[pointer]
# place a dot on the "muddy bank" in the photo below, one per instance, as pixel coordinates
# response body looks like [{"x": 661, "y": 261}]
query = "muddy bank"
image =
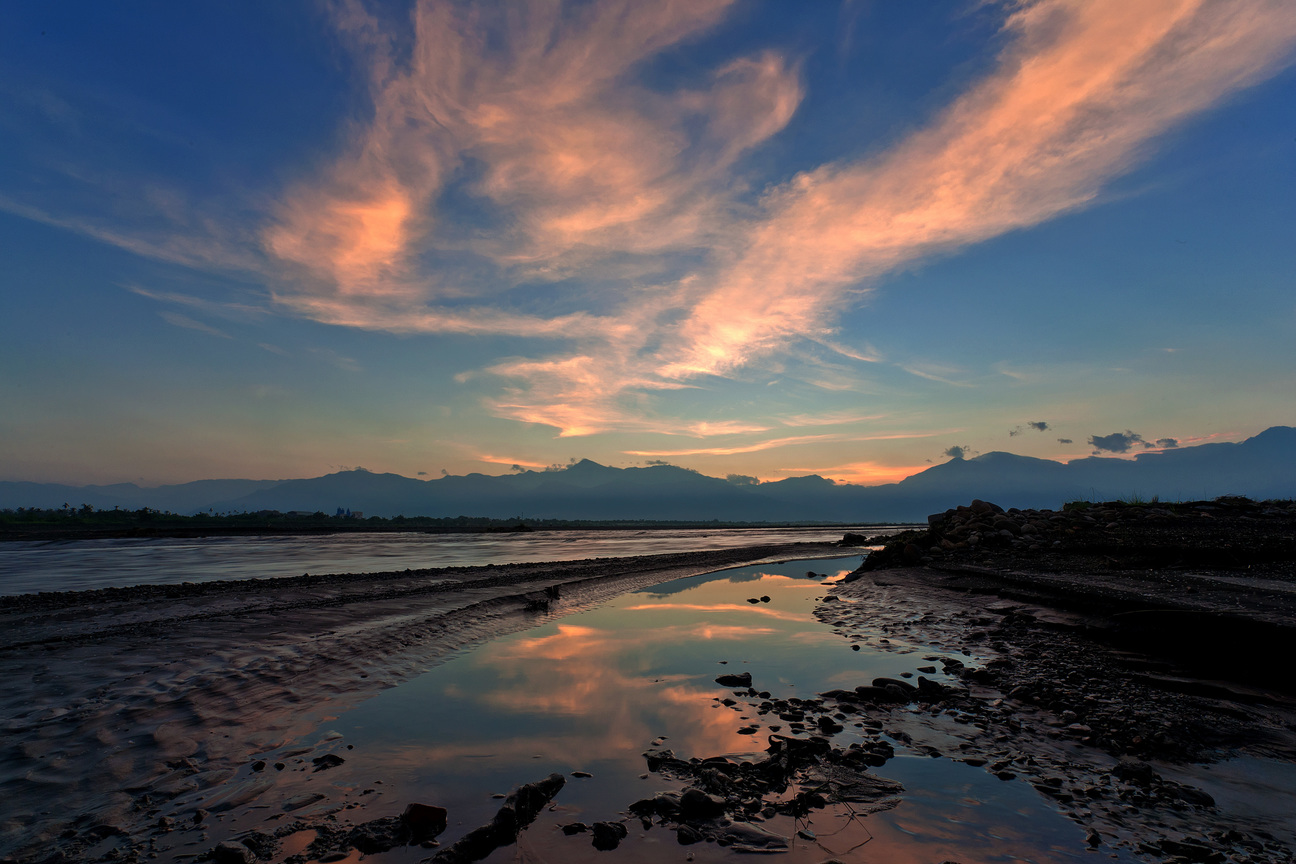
[
  {"x": 120, "y": 700},
  {"x": 1123, "y": 660}
]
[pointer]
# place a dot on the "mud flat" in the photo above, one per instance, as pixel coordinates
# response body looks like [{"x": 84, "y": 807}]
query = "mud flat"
[
  {"x": 1131, "y": 662},
  {"x": 117, "y": 701}
]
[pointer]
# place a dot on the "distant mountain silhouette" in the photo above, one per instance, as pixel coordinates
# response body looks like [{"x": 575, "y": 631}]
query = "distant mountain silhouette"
[{"x": 1260, "y": 467}]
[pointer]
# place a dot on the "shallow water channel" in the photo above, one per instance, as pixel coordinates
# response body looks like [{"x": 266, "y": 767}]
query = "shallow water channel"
[
  {"x": 28, "y": 566},
  {"x": 592, "y": 691}
]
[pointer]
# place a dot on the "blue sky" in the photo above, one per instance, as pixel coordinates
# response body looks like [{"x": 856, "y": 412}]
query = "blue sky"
[{"x": 759, "y": 238}]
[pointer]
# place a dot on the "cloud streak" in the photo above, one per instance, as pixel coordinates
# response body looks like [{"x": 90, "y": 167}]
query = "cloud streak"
[
  {"x": 518, "y": 175},
  {"x": 1078, "y": 96}
]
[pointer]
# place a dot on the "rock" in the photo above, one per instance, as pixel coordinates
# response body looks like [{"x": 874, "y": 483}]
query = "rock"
[
  {"x": 828, "y": 726},
  {"x": 328, "y": 760},
  {"x": 752, "y": 840},
  {"x": 1196, "y": 852},
  {"x": 608, "y": 835},
  {"x": 297, "y": 802},
  {"x": 931, "y": 690},
  {"x": 531, "y": 798},
  {"x": 1190, "y": 794},
  {"x": 657, "y": 758},
  {"x": 379, "y": 835},
  {"x": 686, "y": 835},
  {"x": 520, "y": 809},
  {"x": 1134, "y": 771},
  {"x": 231, "y": 852},
  {"x": 574, "y": 828},
  {"x": 885, "y": 683},
  {"x": 696, "y": 805},
  {"x": 424, "y": 820},
  {"x": 765, "y": 598},
  {"x": 582, "y": 774},
  {"x": 741, "y": 679}
]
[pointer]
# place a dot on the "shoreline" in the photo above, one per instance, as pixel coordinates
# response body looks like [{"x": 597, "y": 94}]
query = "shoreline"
[
  {"x": 152, "y": 691},
  {"x": 44, "y": 534}
]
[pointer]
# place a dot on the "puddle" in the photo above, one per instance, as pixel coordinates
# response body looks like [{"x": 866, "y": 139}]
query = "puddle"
[{"x": 589, "y": 693}]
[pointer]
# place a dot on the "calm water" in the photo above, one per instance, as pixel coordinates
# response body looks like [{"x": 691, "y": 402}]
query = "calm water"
[
  {"x": 75, "y": 565},
  {"x": 590, "y": 692}
]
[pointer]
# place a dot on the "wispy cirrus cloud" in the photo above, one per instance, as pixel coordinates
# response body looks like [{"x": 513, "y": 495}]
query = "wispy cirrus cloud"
[
  {"x": 176, "y": 319},
  {"x": 754, "y": 447},
  {"x": 1078, "y": 96},
  {"x": 530, "y": 111},
  {"x": 518, "y": 176}
]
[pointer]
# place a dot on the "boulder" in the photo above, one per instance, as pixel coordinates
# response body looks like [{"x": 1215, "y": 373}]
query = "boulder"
[
  {"x": 231, "y": 852},
  {"x": 696, "y": 805},
  {"x": 424, "y": 820},
  {"x": 608, "y": 835}
]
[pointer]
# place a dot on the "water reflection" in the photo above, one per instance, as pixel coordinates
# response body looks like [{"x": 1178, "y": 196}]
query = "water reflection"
[{"x": 591, "y": 692}]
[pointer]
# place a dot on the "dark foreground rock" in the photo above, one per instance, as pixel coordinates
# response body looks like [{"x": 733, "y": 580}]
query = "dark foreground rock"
[
  {"x": 725, "y": 801},
  {"x": 520, "y": 810}
]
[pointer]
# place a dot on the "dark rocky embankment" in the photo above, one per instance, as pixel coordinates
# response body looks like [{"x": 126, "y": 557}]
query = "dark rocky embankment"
[{"x": 1210, "y": 584}]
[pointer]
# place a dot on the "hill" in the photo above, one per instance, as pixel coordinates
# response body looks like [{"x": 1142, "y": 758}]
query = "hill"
[{"x": 1260, "y": 467}]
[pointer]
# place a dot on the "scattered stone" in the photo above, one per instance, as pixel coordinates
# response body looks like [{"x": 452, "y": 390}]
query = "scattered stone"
[
  {"x": 328, "y": 760},
  {"x": 607, "y": 835},
  {"x": 424, "y": 820},
  {"x": 231, "y": 852},
  {"x": 305, "y": 799},
  {"x": 740, "y": 679},
  {"x": 520, "y": 809}
]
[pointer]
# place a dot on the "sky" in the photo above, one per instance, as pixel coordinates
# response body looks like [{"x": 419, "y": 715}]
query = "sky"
[{"x": 763, "y": 239}]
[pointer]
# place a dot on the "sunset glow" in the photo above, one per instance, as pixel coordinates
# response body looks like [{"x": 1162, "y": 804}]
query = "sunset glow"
[{"x": 742, "y": 237}]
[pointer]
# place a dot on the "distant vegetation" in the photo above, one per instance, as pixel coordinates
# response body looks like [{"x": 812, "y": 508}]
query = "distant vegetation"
[{"x": 67, "y": 522}]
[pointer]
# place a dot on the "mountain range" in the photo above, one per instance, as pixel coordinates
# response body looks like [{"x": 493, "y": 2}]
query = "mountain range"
[{"x": 1263, "y": 466}]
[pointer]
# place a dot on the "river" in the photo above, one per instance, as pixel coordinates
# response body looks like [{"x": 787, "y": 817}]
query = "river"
[{"x": 77, "y": 565}]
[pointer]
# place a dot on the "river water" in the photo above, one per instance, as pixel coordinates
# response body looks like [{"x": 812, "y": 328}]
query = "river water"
[
  {"x": 76, "y": 565},
  {"x": 592, "y": 691}
]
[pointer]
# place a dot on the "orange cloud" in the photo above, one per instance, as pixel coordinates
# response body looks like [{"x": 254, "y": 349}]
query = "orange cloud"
[
  {"x": 1079, "y": 94},
  {"x": 532, "y": 110},
  {"x": 536, "y": 98},
  {"x": 739, "y": 448}
]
